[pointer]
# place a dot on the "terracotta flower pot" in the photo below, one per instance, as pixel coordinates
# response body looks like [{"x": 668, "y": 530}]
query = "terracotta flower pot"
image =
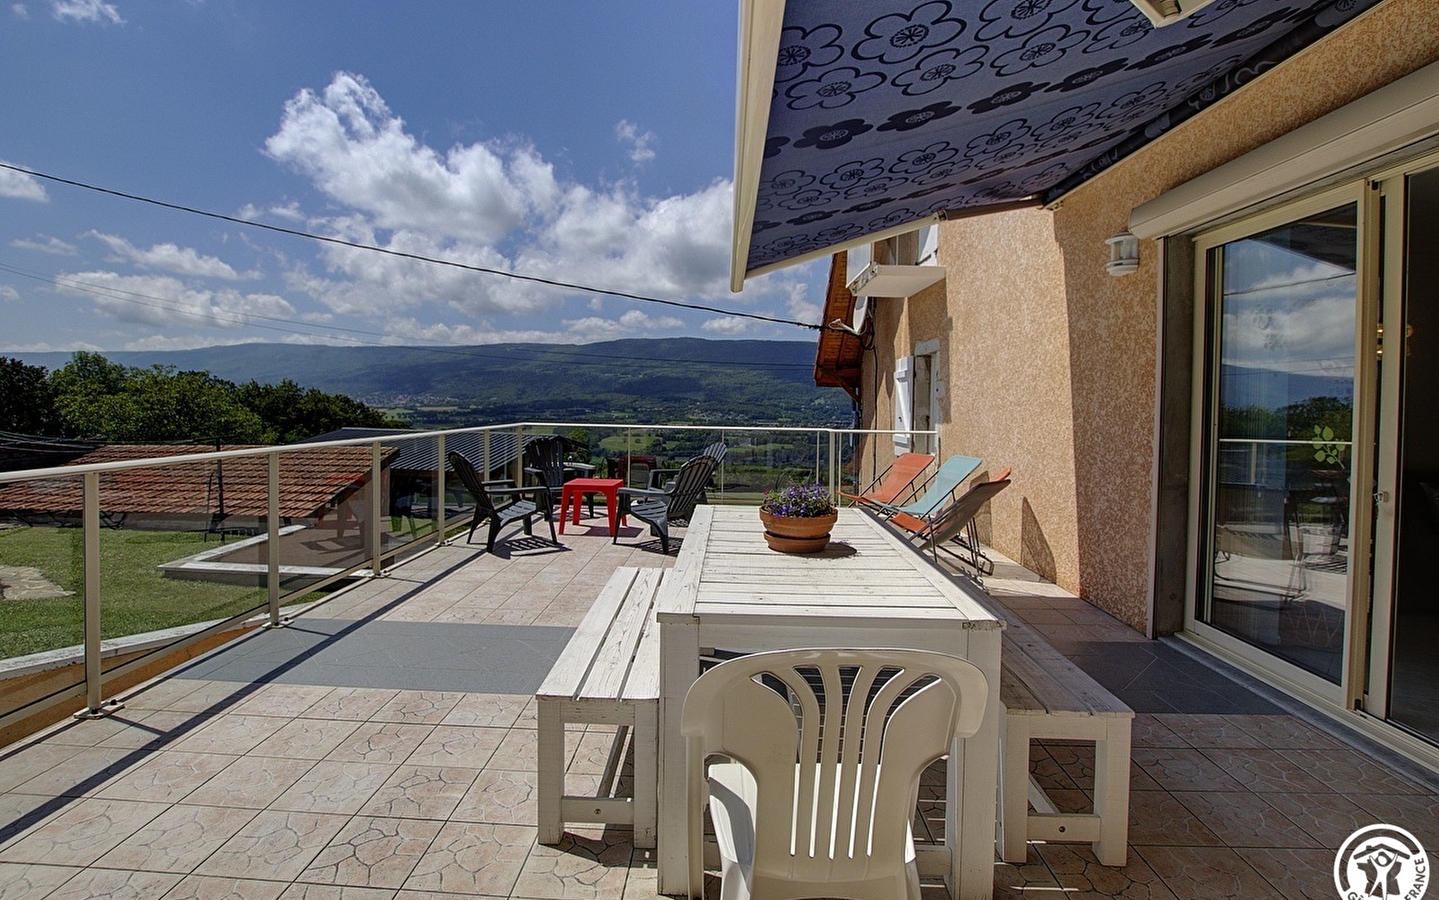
[{"x": 797, "y": 535}]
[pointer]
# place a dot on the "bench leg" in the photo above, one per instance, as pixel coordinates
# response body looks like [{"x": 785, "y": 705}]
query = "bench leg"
[
  {"x": 1111, "y": 793},
  {"x": 646, "y": 743},
  {"x": 1014, "y": 789},
  {"x": 551, "y": 770}
]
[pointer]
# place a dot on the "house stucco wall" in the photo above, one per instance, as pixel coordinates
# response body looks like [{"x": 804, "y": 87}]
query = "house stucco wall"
[{"x": 1050, "y": 362}]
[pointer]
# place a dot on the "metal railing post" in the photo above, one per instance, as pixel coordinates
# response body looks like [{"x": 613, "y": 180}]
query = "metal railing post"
[
  {"x": 375, "y": 507},
  {"x": 272, "y": 538},
  {"x": 520, "y": 456},
  {"x": 439, "y": 491},
  {"x": 94, "y": 704},
  {"x": 485, "y": 454}
]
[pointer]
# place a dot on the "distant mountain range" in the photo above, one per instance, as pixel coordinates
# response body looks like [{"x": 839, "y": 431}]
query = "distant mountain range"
[{"x": 666, "y": 380}]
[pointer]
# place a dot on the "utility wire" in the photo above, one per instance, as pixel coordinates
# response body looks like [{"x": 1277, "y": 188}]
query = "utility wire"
[
  {"x": 484, "y": 270},
  {"x": 467, "y": 351}
]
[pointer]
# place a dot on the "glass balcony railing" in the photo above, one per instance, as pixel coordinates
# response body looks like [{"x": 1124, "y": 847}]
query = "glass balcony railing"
[{"x": 104, "y": 567}]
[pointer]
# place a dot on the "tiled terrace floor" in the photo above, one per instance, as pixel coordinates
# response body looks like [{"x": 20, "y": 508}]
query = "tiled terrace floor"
[{"x": 383, "y": 748}]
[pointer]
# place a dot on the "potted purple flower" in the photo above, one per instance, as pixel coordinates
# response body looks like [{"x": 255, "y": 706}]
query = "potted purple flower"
[{"x": 797, "y": 519}]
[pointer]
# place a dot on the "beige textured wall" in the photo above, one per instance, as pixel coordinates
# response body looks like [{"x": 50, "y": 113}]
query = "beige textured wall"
[{"x": 1051, "y": 361}]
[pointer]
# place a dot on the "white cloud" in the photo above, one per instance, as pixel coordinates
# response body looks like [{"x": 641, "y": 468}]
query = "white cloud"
[
  {"x": 348, "y": 142},
  {"x": 183, "y": 342},
  {"x": 45, "y": 347},
  {"x": 161, "y": 300},
  {"x": 170, "y": 258},
  {"x": 52, "y": 245},
  {"x": 8, "y": 293},
  {"x": 800, "y": 307},
  {"x": 21, "y": 186},
  {"x": 639, "y": 142},
  {"x": 493, "y": 205},
  {"x": 85, "y": 11},
  {"x": 728, "y": 326},
  {"x": 20, "y": 10}
]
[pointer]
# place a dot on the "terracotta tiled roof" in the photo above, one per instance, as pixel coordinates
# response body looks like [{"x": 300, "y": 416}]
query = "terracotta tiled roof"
[{"x": 310, "y": 481}]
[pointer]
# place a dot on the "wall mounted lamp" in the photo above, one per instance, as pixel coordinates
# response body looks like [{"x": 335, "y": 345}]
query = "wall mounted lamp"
[{"x": 1123, "y": 254}]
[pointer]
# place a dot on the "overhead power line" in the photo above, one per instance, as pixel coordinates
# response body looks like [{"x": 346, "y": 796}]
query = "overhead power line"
[
  {"x": 417, "y": 257},
  {"x": 453, "y": 348}
]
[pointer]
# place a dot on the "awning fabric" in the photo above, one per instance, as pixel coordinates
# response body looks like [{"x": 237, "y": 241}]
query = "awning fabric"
[{"x": 860, "y": 118}]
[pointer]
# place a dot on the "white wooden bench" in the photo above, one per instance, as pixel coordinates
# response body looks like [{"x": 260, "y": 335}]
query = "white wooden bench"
[
  {"x": 608, "y": 674},
  {"x": 1045, "y": 695}
]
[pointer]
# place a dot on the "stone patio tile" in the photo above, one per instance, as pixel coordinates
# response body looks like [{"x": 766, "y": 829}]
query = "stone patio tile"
[
  {"x": 24, "y": 763},
  {"x": 1262, "y": 769},
  {"x": 1205, "y": 873},
  {"x": 380, "y": 742},
  {"x": 79, "y": 774},
  {"x": 1242, "y": 819},
  {"x": 24, "y": 880},
  {"x": 163, "y": 693},
  {"x": 1183, "y": 770},
  {"x": 1328, "y": 818},
  {"x": 419, "y": 707},
  {"x": 495, "y": 710},
  {"x": 350, "y": 703},
  {"x": 275, "y": 844},
  {"x": 373, "y": 852},
  {"x": 178, "y": 839},
  {"x": 251, "y": 781},
  {"x": 82, "y": 833},
  {"x": 1285, "y": 732},
  {"x": 1349, "y": 772},
  {"x": 306, "y": 738},
  {"x": 1295, "y": 874},
  {"x": 234, "y": 734},
  {"x": 1156, "y": 818},
  {"x": 209, "y": 887},
  {"x": 115, "y": 884},
  {"x": 1416, "y": 813},
  {"x": 458, "y": 745},
  {"x": 1149, "y": 731},
  {"x": 155, "y": 729},
  {"x": 586, "y": 865},
  {"x": 1208, "y": 730},
  {"x": 421, "y": 792},
  {"x": 335, "y": 787},
  {"x": 500, "y": 797},
  {"x": 1079, "y": 876},
  {"x": 207, "y": 697},
  {"x": 517, "y": 752},
  {"x": 286, "y": 700},
  {"x": 299, "y": 891},
  {"x": 166, "y": 776},
  {"x": 473, "y": 858}
]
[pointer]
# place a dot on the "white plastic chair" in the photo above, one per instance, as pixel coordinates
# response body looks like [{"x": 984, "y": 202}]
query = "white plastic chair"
[{"x": 826, "y": 748}]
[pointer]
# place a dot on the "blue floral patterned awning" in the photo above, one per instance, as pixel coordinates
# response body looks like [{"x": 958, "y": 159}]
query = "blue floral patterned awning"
[{"x": 860, "y": 117}]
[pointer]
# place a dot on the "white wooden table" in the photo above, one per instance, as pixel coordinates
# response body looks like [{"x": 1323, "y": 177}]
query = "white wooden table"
[{"x": 867, "y": 589}]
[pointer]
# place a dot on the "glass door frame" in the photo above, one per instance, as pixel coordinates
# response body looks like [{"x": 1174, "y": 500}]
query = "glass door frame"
[
  {"x": 1204, "y": 449},
  {"x": 1375, "y": 660}
]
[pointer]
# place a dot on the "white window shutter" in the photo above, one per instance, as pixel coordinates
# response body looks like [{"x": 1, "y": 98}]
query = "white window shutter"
[{"x": 903, "y": 403}]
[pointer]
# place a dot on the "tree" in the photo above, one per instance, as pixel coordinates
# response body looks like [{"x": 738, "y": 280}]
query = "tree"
[
  {"x": 27, "y": 402},
  {"x": 292, "y": 413}
]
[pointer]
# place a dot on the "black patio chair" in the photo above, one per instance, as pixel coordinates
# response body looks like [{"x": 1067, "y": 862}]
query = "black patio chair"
[
  {"x": 661, "y": 477},
  {"x": 545, "y": 461},
  {"x": 674, "y": 503},
  {"x": 511, "y": 506}
]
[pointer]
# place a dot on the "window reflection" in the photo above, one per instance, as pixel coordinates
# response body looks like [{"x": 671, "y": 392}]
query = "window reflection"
[{"x": 1282, "y": 420}]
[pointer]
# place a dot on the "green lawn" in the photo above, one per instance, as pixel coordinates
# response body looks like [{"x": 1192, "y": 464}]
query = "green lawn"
[{"x": 134, "y": 598}]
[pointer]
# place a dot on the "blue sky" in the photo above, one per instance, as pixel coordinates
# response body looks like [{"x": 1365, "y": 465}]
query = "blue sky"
[{"x": 587, "y": 142}]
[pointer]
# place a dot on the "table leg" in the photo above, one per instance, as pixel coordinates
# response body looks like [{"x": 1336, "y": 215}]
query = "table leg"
[
  {"x": 679, "y": 667},
  {"x": 970, "y": 814},
  {"x": 579, "y": 498}
]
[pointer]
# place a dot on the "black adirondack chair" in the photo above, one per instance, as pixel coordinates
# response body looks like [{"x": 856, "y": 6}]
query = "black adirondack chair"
[
  {"x": 675, "y": 503},
  {"x": 661, "y": 477},
  {"x": 501, "y": 505},
  {"x": 545, "y": 461}
]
